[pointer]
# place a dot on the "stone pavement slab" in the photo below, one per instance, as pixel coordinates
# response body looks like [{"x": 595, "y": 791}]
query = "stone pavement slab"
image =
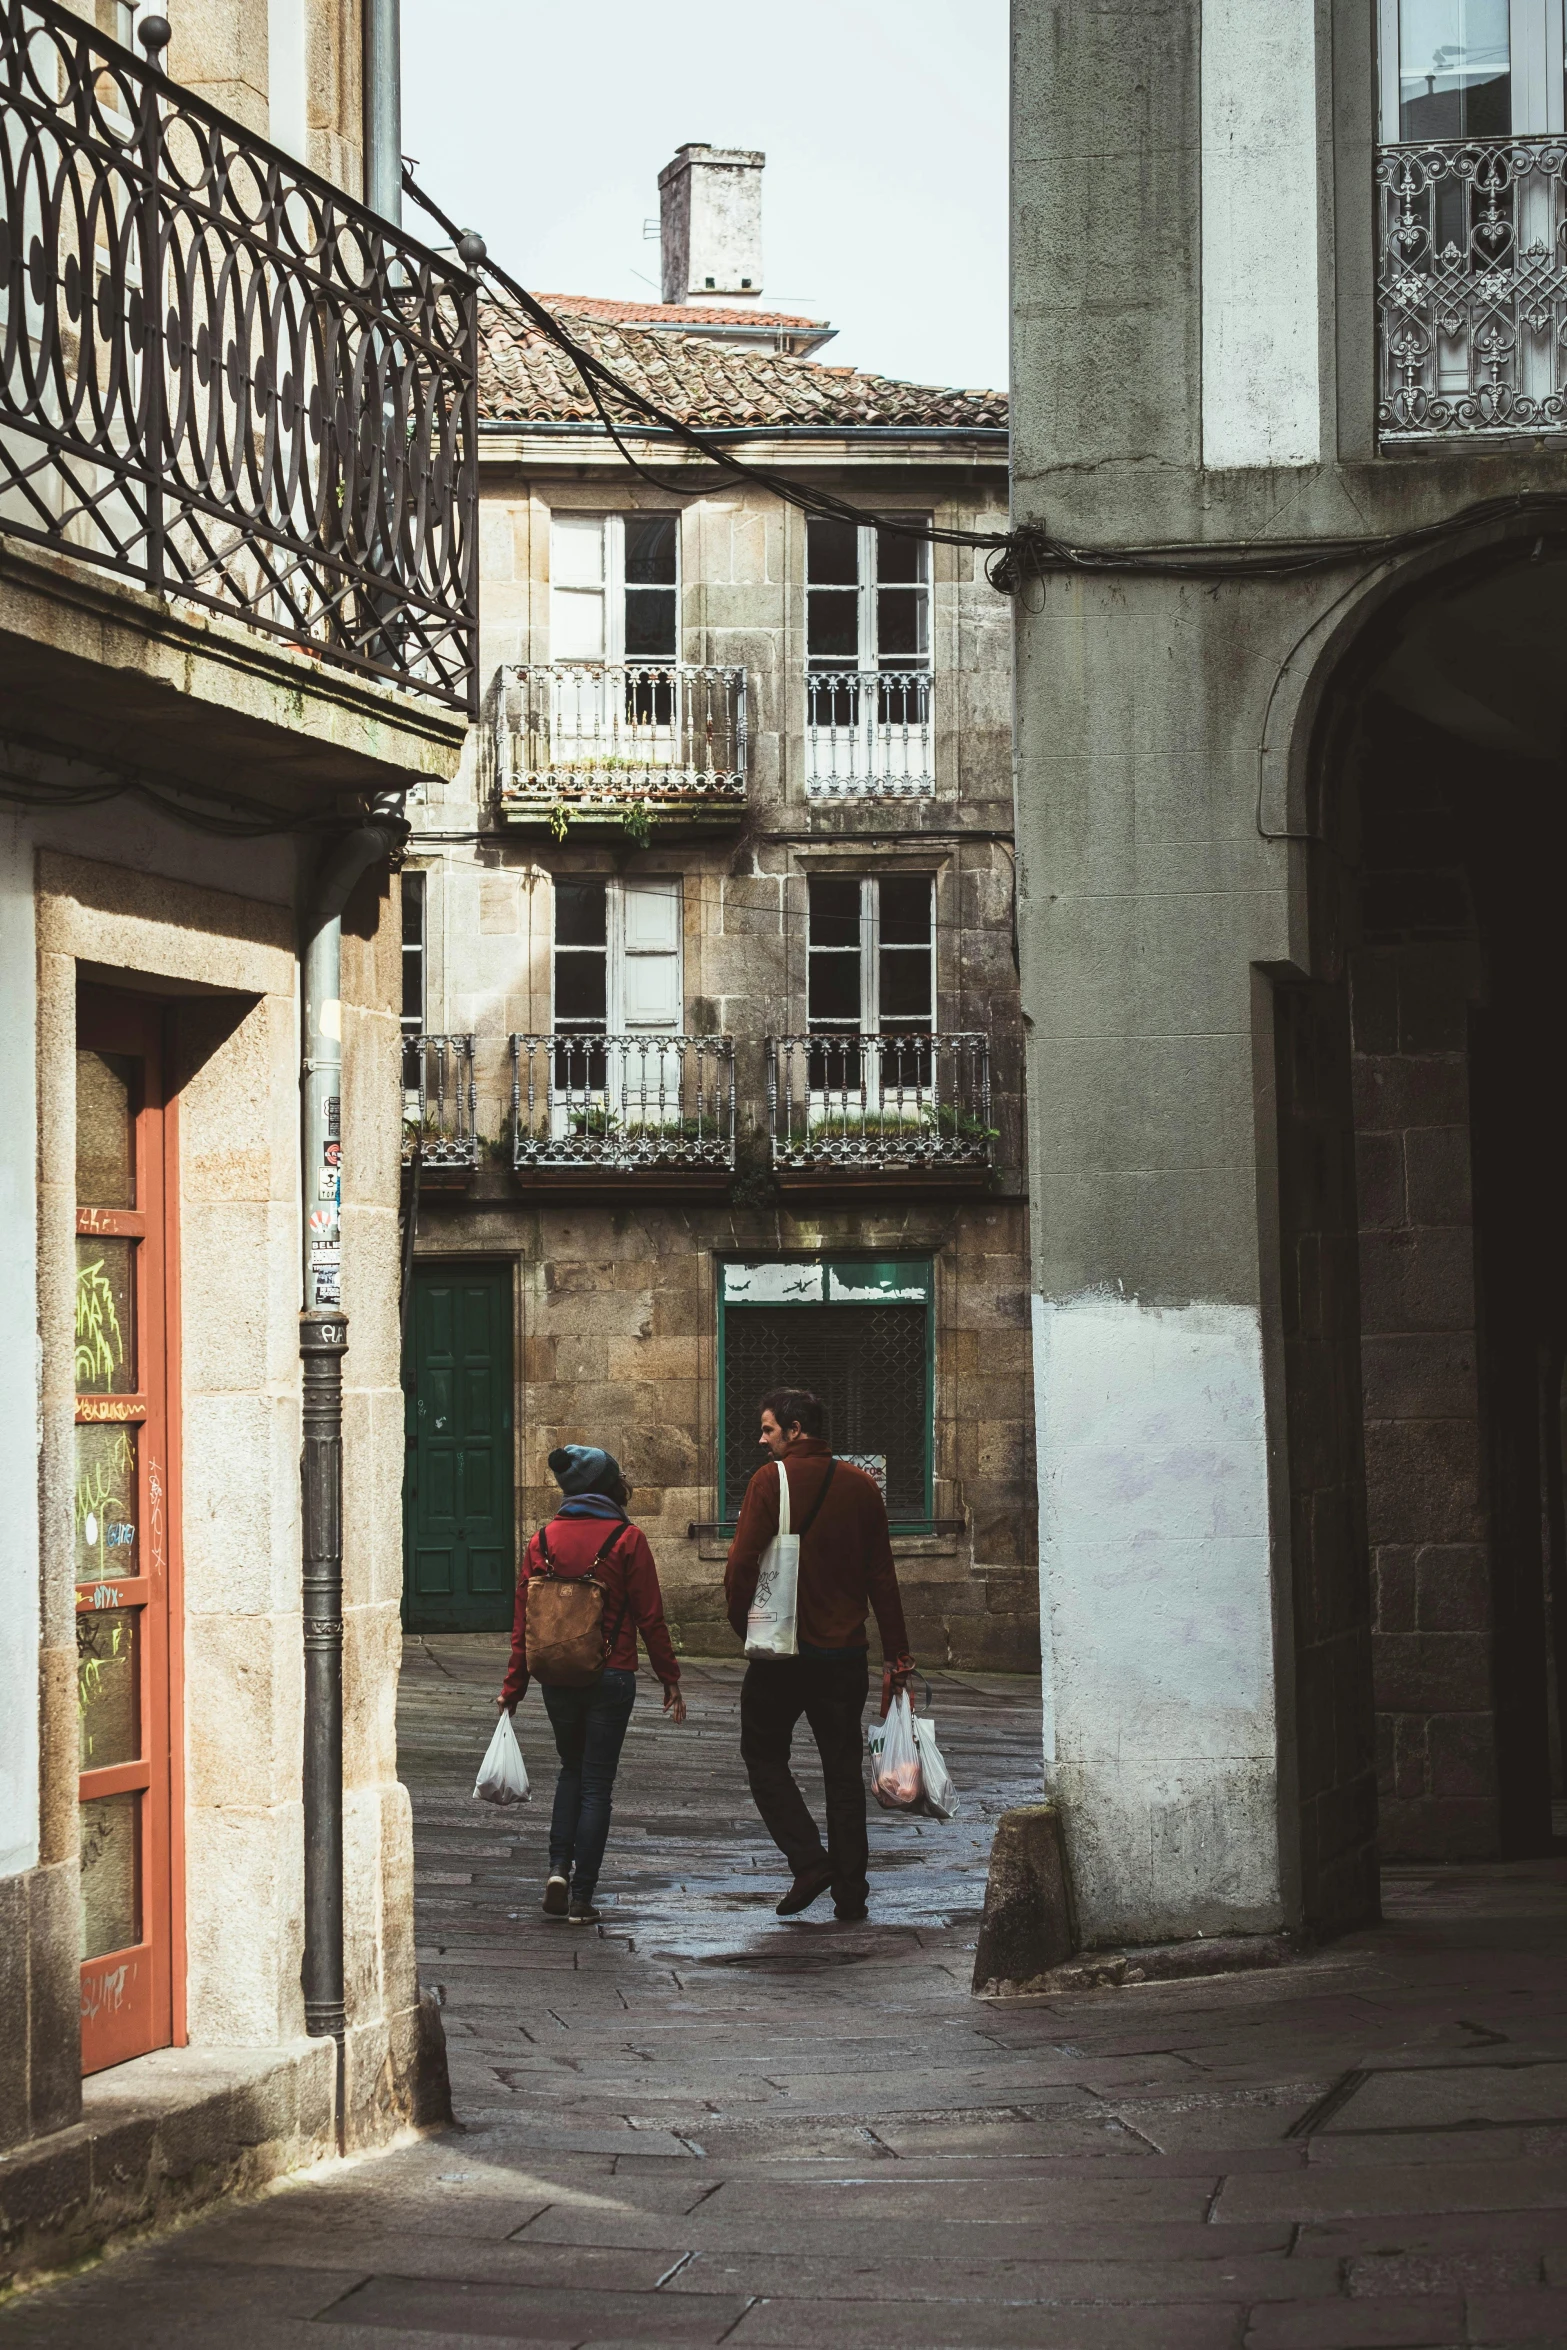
[{"x": 697, "y": 2125}]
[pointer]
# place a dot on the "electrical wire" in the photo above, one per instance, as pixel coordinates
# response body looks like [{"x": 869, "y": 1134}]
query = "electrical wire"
[
  {"x": 1028, "y": 550},
  {"x": 225, "y": 815},
  {"x": 599, "y": 379}
]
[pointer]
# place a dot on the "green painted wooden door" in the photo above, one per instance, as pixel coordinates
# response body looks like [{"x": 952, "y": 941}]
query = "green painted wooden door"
[{"x": 459, "y": 1555}]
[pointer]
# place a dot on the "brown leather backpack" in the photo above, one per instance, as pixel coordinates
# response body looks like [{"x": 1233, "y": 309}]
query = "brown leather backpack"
[{"x": 567, "y": 1646}]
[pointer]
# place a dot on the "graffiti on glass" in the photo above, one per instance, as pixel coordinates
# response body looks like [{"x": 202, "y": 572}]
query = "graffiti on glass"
[{"x": 100, "y": 1342}]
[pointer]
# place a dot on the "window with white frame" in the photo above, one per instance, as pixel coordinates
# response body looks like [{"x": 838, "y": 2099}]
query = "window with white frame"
[
  {"x": 617, "y": 978},
  {"x": 617, "y": 954},
  {"x": 871, "y": 957},
  {"x": 872, "y": 954},
  {"x": 1471, "y": 224},
  {"x": 1470, "y": 69},
  {"x": 867, "y": 597},
  {"x": 414, "y": 952},
  {"x": 614, "y": 587},
  {"x": 868, "y": 658}
]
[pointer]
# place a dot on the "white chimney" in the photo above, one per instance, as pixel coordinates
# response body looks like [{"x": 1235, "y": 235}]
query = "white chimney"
[{"x": 710, "y": 225}]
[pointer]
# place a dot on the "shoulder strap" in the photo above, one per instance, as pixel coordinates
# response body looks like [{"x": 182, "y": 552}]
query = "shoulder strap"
[
  {"x": 783, "y": 1499},
  {"x": 811, "y": 1513},
  {"x": 609, "y": 1542},
  {"x": 544, "y": 1550},
  {"x": 613, "y": 1633}
]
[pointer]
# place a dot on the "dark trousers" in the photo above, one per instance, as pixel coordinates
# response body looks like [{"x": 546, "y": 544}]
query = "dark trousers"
[
  {"x": 590, "y": 1730},
  {"x": 830, "y": 1691}
]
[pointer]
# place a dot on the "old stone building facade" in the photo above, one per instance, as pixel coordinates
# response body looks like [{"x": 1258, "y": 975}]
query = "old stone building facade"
[
  {"x": 717, "y": 924},
  {"x": 225, "y": 658},
  {"x": 1290, "y": 832}
]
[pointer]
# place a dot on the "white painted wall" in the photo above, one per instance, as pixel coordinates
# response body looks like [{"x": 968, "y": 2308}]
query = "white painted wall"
[
  {"x": 1261, "y": 364},
  {"x": 19, "y": 1356},
  {"x": 1155, "y": 1614}
]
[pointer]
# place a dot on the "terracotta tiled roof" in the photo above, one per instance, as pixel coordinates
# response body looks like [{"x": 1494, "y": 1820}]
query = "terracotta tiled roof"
[
  {"x": 669, "y": 313},
  {"x": 524, "y": 378}
]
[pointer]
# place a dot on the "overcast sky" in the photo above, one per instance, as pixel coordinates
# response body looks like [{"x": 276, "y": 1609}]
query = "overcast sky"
[{"x": 545, "y": 125}]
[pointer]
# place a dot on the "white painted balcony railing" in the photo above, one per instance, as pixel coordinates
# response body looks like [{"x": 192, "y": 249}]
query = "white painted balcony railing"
[
  {"x": 1471, "y": 289},
  {"x": 438, "y": 1103},
  {"x": 868, "y": 732},
  {"x": 596, "y": 732},
  {"x": 862, "y": 1101},
  {"x": 622, "y": 1103}
]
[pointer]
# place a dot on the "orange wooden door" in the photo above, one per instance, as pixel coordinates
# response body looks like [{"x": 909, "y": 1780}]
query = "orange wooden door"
[{"x": 125, "y": 1523}]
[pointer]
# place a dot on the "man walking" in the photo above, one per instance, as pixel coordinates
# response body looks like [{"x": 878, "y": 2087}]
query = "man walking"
[{"x": 845, "y": 1568}]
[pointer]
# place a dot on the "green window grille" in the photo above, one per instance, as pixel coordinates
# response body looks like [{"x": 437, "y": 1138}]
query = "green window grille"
[{"x": 867, "y": 1355}]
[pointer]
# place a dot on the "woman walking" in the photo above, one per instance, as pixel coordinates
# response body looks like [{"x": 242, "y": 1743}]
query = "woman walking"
[{"x": 592, "y": 1536}]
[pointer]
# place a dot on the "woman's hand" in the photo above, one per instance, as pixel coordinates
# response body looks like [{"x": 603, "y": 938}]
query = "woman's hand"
[{"x": 674, "y": 1705}]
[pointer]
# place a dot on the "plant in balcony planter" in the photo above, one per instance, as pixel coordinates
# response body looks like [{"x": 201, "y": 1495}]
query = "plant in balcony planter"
[
  {"x": 594, "y": 1123},
  {"x": 955, "y": 1125},
  {"x": 637, "y": 820},
  {"x": 559, "y": 820}
]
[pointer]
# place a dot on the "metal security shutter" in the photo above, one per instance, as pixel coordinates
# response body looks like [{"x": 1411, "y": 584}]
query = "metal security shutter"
[{"x": 870, "y": 1366}]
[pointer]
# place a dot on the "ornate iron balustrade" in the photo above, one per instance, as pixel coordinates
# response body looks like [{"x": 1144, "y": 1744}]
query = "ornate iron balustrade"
[
  {"x": 623, "y": 1103},
  {"x": 861, "y": 1101},
  {"x": 588, "y": 733},
  {"x": 439, "y": 1109},
  {"x": 869, "y": 731},
  {"x": 224, "y": 378},
  {"x": 1472, "y": 289}
]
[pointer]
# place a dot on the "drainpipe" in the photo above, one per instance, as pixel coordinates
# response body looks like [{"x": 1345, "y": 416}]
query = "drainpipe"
[
  {"x": 383, "y": 107},
  {"x": 323, "y": 1341}
]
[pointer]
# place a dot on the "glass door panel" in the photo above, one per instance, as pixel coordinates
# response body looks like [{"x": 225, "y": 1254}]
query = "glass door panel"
[{"x": 122, "y": 1531}]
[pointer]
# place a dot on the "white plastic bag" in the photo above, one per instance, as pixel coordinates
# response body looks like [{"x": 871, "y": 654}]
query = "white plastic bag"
[
  {"x": 503, "y": 1775},
  {"x": 939, "y": 1801},
  {"x": 770, "y": 1619},
  {"x": 896, "y": 1780}
]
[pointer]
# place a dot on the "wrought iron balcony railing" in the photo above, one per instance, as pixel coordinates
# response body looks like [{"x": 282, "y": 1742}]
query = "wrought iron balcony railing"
[
  {"x": 1472, "y": 289},
  {"x": 440, "y": 1126},
  {"x": 221, "y": 376},
  {"x": 623, "y": 1103},
  {"x": 868, "y": 731},
  {"x": 872, "y": 1102},
  {"x": 587, "y": 733}
]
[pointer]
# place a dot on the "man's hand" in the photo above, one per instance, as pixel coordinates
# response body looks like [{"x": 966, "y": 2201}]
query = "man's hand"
[
  {"x": 896, "y": 1674},
  {"x": 674, "y": 1705},
  {"x": 502, "y": 1707}
]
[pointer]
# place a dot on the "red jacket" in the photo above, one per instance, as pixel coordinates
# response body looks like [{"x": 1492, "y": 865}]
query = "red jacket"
[
  {"x": 630, "y": 1581},
  {"x": 845, "y": 1560}
]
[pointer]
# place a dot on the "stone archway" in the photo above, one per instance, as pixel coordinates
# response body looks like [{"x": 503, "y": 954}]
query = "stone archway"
[{"x": 1422, "y": 1142}]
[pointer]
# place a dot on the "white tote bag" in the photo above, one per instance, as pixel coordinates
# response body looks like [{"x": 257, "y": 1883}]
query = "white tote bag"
[
  {"x": 503, "y": 1775},
  {"x": 769, "y": 1623}
]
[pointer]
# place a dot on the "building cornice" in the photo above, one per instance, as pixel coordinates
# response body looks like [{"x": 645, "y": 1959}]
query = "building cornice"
[{"x": 783, "y": 446}]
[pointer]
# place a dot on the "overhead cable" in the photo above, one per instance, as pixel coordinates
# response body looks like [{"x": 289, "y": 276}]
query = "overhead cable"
[{"x": 1028, "y": 550}]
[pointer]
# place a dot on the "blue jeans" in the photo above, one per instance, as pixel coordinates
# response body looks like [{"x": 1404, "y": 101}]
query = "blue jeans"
[{"x": 590, "y": 1729}]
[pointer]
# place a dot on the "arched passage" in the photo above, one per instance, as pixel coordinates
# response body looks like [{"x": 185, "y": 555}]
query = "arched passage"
[{"x": 1422, "y": 1150}]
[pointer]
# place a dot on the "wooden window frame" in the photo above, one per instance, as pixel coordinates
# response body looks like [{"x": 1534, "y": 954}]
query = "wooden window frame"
[{"x": 133, "y": 2000}]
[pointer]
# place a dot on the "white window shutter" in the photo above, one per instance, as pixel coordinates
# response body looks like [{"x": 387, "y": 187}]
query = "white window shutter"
[
  {"x": 650, "y": 952},
  {"x": 577, "y": 584}
]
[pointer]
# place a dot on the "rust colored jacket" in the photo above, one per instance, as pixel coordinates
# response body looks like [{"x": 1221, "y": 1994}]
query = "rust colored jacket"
[{"x": 845, "y": 1560}]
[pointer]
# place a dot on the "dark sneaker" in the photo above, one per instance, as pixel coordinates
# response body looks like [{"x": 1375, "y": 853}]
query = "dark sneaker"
[
  {"x": 850, "y": 1913},
  {"x": 808, "y": 1887},
  {"x": 557, "y": 1895},
  {"x": 582, "y": 1913}
]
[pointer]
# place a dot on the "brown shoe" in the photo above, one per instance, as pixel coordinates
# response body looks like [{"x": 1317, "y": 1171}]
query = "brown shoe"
[{"x": 808, "y": 1887}]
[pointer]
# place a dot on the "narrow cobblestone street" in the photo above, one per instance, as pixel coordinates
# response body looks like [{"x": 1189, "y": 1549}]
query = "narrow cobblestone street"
[{"x": 697, "y": 2125}]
